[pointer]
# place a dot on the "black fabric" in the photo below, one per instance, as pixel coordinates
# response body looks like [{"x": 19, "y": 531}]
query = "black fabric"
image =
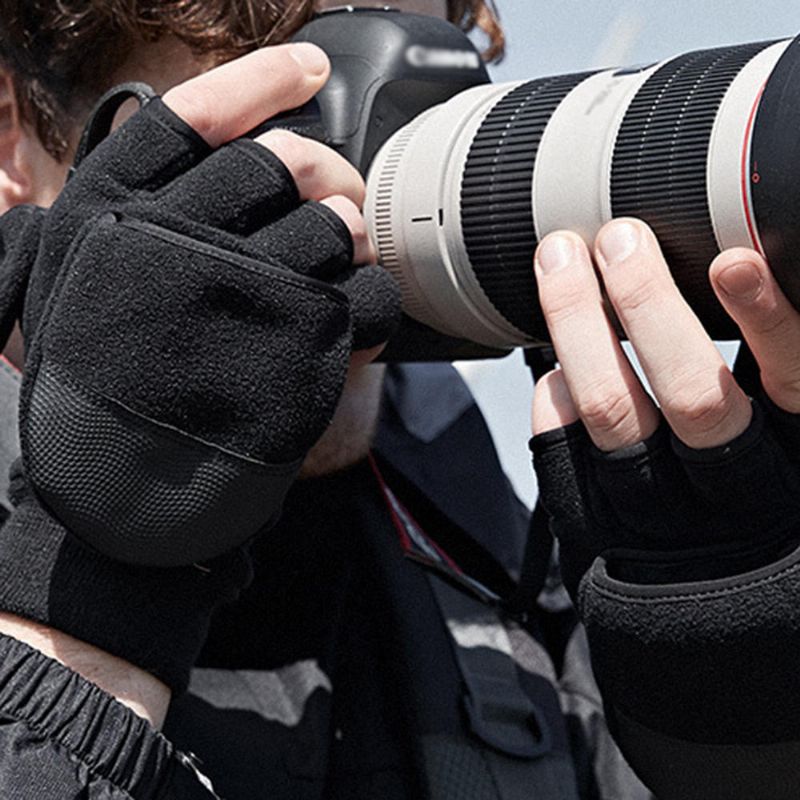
[
  {"x": 394, "y": 724},
  {"x": 154, "y": 618},
  {"x": 681, "y": 770},
  {"x": 61, "y": 738},
  {"x": 19, "y": 239},
  {"x": 684, "y": 563},
  {"x": 188, "y": 324},
  {"x": 163, "y": 266},
  {"x": 333, "y": 594},
  {"x": 343, "y": 685},
  {"x": 713, "y": 638},
  {"x": 717, "y": 512},
  {"x": 317, "y": 598}
]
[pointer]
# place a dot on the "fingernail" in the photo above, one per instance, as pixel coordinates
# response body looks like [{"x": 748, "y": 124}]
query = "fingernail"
[
  {"x": 310, "y": 57},
  {"x": 741, "y": 281},
  {"x": 555, "y": 253},
  {"x": 618, "y": 241}
]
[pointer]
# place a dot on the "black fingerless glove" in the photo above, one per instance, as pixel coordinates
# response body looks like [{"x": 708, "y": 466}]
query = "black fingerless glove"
[
  {"x": 189, "y": 324},
  {"x": 685, "y": 569}
]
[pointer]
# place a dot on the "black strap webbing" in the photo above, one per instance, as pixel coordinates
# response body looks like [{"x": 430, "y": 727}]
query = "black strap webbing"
[{"x": 500, "y": 712}]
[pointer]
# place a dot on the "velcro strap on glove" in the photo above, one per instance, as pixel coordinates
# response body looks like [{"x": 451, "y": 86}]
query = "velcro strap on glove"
[{"x": 702, "y": 675}]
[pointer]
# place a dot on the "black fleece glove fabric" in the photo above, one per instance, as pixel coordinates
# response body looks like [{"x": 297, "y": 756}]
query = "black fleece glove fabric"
[
  {"x": 685, "y": 569},
  {"x": 189, "y": 323},
  {"x": 667, "y": 512}
]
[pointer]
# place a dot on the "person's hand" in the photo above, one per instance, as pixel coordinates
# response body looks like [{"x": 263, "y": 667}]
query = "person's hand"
[
  {"x": 192, "y": 306},
  {"x": 694, "y": 389},
  {"x": 194, "y": 296},
  {"x": 678, "y": 520},
  {"x": 636, "y": 488}
]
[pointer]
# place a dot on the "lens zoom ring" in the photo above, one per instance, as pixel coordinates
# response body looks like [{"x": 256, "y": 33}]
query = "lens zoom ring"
[
  {"x": 496, "y": 197},
  {"x": 659, "y": 169}
]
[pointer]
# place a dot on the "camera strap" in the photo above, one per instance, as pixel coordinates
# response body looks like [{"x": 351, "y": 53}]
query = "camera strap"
[
  {"x": 102, "y": 117},
  {"x": 421, "y": 549},
  {"x": 500, "y": 712}
]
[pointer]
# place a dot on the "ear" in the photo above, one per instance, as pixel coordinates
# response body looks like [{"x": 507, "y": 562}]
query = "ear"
[{"x": 15, "y": 172}]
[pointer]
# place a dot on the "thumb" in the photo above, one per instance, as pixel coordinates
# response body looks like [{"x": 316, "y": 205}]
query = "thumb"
[{"x": 770, "y": 325}]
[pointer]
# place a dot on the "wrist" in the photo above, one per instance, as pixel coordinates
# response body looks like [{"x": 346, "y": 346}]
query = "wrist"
[{"x": 140, "y": 691}]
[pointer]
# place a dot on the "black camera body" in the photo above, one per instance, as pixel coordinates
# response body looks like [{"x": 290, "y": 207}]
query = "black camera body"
[{"x": 387, "y": 68}]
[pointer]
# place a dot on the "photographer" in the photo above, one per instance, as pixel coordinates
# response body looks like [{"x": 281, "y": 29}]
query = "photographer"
[
  {"x": 336, "y": 672},
  {"x": 333, "y": 667}
]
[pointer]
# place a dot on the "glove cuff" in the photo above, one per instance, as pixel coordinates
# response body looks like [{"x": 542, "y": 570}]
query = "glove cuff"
[
  {"x": 684, "y": 631},
  {"x": 156, "y": 619}
]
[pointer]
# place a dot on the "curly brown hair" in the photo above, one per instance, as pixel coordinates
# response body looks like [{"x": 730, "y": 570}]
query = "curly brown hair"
[{"x": 61, "y": 53}]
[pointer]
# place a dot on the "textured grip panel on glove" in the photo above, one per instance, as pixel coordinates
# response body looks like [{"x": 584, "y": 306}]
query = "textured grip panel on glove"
[{"x": 141, "y": 492}]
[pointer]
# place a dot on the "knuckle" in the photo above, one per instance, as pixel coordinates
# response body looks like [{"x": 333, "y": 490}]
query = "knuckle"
[
  {"x": 783, "y": 390},
  {"x": 606, "y": 410},
  {"x": 628, "y": 299},
  {"x": 769, "y": 322},
  {"x": 706, "y": 409},
  {"x": 563, "y": 301},
  {"x": 361, "y": 240},
  {"x": 347, "y": 210},
  {"x": 292, "y": 149},
  {"x": 198, "y": 110}
]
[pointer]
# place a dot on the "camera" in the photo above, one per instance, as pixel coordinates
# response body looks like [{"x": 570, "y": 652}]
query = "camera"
[{"x": 465, "y": 177}]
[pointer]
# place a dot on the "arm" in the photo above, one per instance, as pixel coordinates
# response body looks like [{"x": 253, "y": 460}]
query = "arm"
[{"x": 678, "y": 523}]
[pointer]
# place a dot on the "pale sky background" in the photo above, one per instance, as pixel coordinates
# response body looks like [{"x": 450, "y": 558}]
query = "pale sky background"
[{"x": 548, "y": 38}]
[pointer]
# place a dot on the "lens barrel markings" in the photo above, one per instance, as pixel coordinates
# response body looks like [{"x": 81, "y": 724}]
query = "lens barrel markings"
[
  {"x": 497, "y": 217},
  {"x": 660, "y": 164}
]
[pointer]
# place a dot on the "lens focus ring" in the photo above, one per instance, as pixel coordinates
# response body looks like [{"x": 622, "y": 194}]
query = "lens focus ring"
[
  {"x": 497, "y": 215},
  {"x": 659, "y": 170}
]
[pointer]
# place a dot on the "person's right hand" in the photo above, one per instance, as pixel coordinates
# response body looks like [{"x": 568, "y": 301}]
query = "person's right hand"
[{"x": 192, "y": 309}]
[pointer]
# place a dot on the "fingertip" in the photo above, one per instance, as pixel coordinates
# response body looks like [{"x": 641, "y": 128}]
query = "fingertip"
[
  {"x": 553, "y": 406},
  {"x": 557, "y": 251},
  {"x": 312, "y": 59},
  {"x": 739, "y": 275}
]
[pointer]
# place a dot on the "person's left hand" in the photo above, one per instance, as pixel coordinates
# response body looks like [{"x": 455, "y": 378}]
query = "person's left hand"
[
  {"x": 695, "y": 390},
  {"x": 608, "y": 473}
]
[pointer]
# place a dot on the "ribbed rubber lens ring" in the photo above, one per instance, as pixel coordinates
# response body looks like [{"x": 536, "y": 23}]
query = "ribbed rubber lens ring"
[
  {"x": 497, "y": 198},
  {"x": 660, "y": 163}
]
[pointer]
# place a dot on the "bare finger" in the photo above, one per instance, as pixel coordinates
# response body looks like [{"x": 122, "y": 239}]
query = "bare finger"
[
  {"x": 363, "y": 250},
  {"x": 234, "y": 98},
  {"x": 770, "y": 325},
  {"x": 552, "y": 404},
  {"x": 614, "y": 407},
  {"x": 697, "y": 392},
  {"x": 318, "y": 171}
]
